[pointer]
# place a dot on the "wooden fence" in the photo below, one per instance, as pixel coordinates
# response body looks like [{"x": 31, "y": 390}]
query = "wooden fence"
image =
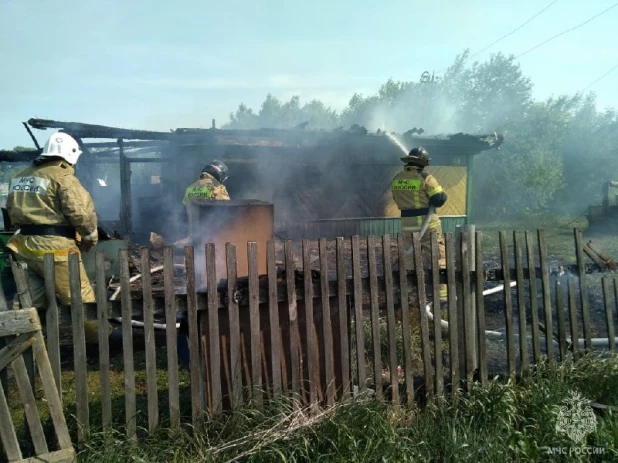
[{"x": 302, "y": 328}]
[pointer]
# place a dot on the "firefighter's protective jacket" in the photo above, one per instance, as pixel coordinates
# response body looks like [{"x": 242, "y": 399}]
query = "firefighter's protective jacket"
[
  {"x": 207, "y": 187},
  {"x": 49, "y": 193},
  {"x": 412, "y": 190}
]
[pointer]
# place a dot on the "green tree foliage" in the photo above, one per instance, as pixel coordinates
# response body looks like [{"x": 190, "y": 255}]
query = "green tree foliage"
[{"x": 556, "y": 155}]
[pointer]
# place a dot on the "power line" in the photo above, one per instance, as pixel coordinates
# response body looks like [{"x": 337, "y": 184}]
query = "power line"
[
  {"x": 505, "y": 35},
  {"x": 513, "y": 31},
  {"x": 566, "y": 31},
  {"x": 602, "y": 77}
]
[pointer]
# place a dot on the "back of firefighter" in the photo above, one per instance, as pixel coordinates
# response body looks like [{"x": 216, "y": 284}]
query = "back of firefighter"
[
  {"x": 48, "y": 205},
  {"x": 415, "y": 191},
  {"x": 210, "y": 184}
]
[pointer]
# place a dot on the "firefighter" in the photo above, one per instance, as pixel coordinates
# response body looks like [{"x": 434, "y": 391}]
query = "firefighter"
[
  {"x": 210, "y": 183},
  {"x": 48, "y": 205},
  {"x": 415, "y": 191}
]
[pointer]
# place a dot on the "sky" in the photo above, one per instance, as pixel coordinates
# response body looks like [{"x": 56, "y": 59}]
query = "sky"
[{"x": 162, "y": 65}]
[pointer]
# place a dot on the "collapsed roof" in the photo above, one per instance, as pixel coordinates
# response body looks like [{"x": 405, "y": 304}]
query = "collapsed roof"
[{"x": 355, "y": 137}]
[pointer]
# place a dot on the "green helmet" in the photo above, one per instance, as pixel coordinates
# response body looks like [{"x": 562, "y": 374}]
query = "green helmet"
[{"x": 417, "y": 156}]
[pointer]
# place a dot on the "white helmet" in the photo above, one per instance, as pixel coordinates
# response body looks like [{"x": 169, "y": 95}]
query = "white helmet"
[{"x": 64, "y": 146}]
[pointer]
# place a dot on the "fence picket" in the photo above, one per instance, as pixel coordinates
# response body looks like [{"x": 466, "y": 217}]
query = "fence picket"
[
  {"x": 521, "y": 306},
  {"x": 290, "y": 276},
  {"x": 549, "y": 343},
  {"x": 214, "y": 343},
  {"x": 420, "y": 286},
  {"x": 508, "y": 306},
  {"x": 254, "y": 317},
  {"x": 102, "y": 315},
  {"x": 79, "y": 350},
  {"x": 573, "y": 319},
  {"x": 344, "y": 334},
  {"x": 534, "y": 305},
  {"x": 273, "y": 312},
  {"x": 197, "y": 407},
  {"x": 437, "y": 314},
  {"x": 150, "y": 342},
  {"x": 171, "y": 336},
  {"x": 51, "y": 316},
  {"x": 562, "y": 344},
  {"x": 468, "y": 314},
  {"x": 327, "y": 330},
  {"x": 390, "y": 317},
  {"x": 375, "y": 316},
  {"x": 234, "y": 320},
  {"x": 127, "y": 345},
  {"x": 608, "y": 312},
  {"x": 480, "y": 309},
  {"x": 452, "y": 312},
  {"x": 402, "y": 244},
  {"x": 583, "y": 288},
  {"x": 358, "y": 314}
]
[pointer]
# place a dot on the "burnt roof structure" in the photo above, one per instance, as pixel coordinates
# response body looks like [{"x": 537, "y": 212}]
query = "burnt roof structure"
[{"x": 308, "y": 174}]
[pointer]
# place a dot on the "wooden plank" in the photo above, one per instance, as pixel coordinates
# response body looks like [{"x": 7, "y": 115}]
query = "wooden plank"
[
  {"x": 453, "y": 322},
  {"x": 79, "y": 350},
  {"x": 21, "y": 321},
  {"x": 273, "y": 315},
  {"x": 7, "y": 430},
  {"x": 233, "y": 315},
  {"x": 293, "y": 316},
  {"x": 508, "y": 307},
  {"x": 15, "y": 348},
  {"x": 469, "y": 322},
  {"x": 309, "y": 324},
  {"x": 171, "y": 337},
  {"x": 437, "y": 314},
  {"x": 4, "y": 377},
  {"x": 573, "y": 319},
  {"x": 30, "y": 409},
  {"x": 104, "y": 367},
  {"x": 150, "y": 341},
  {"x": 611, "y": 336},
  {"x": 390, "y": 317},
  {"x": 358, "y": 315},
  {"x": 51, "y": 316},
  {"x": 534, "y": 306},
  {"x": 420, "y": 287},
  {"x": 127, "y": 345},
  {"x": 375, "y": 316},
  {"x": 562, "y": 343},
  {"x": 327, "y": 329},
  {"x": 254, "y": 317},
  {"x": 521, "y": 306},
  {"x": 583, "y": 289},
  {"x": 59, "y": 456},
  {"x": 214, "y": 344},
  {"x": 480, "y": 309},
  {"x": 543, "y": 261},
  {"x": 343, "y": 319},
  {"x": 197, "y": 408},
  {"x": 51, "y": 393}
]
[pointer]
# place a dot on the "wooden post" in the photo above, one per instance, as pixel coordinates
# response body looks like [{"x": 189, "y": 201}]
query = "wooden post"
[
  {"x": 402, "y": 244},
  {"x": 534, "y": 306},
  {"x": 292, "y": 317},
  {"x": 343, "y": 320},
  {"x": 149, "y": 335},
  {"x": 437, "y": 315},
  {"x": 508, "y": 307},
  {"x": 358, "y": 315},
  {"x": 102, "y": 316},
  {"x": 562, "y": 344},
  {"x": 214, "y": 343},
  {"x": 327, "y": 349},
  {"x": 126, "y": 211},
  {"x": 471, "y": 244},
  {"x": 480, "y": 310},
  {"x": 51, "y": 326},
  {"x": 234, "y": 320},
  {"x": 420, "y": 287},
  {"x": 583, "y": 289},
  {"x": 454, "y": 331},
  {"x": 608, "y": 312},
  {"x": 375, "y": 316},
  {"x": 549, "y": 342},
  {"x": 171, "y": 337},
  {"x": 127, "y": 346},
  {"x": 521, "y": 306}
]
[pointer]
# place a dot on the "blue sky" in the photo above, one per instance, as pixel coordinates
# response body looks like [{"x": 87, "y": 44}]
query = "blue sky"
[{"x": 160, "y": 65}]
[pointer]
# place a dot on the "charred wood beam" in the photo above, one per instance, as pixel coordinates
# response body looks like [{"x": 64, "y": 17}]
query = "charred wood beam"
[
  {"x": 97, "y": 131},
  {"x": 128, "y": 144},
  {"x": 18, "y": 156}
]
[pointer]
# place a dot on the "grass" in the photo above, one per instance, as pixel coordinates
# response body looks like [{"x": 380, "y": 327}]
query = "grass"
[{"x": 502, "y": 422}]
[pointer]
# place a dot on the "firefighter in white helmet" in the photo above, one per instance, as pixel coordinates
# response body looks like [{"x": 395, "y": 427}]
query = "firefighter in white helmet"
[{"x": 49, "y": 206}]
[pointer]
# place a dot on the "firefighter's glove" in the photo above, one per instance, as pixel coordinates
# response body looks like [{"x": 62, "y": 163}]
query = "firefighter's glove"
[{"x": 90, "y": 241}]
